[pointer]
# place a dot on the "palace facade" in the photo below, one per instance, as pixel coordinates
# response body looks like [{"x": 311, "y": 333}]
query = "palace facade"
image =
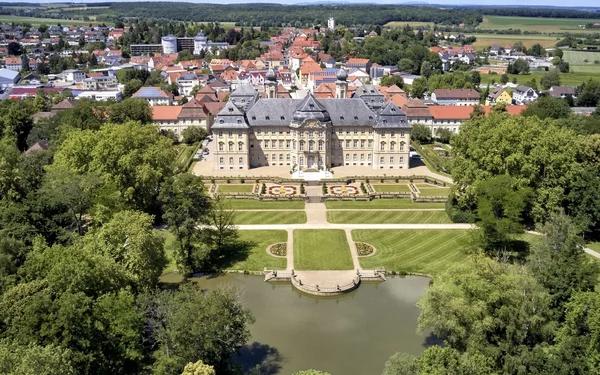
[{"x": 310, "y": 133}]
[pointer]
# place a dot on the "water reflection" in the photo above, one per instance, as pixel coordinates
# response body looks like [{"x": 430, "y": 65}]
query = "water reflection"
[{"x": 345, "y": 335}]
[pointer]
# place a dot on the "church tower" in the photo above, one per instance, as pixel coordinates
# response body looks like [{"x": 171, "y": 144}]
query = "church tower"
[
  {"x": 341, "y": 85},
  {"x": 271, "y": 84}
]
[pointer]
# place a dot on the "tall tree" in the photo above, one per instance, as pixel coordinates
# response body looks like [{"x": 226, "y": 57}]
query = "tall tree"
[
  {"x": 186, "y": 206},
  {"x": 559, "y": 262}
]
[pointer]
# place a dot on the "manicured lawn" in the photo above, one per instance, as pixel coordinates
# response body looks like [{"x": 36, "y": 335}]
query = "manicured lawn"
[
  {"x": 251, "y": 204},
  {"x": 324, "y": 249},
  {"x": 594, "y": 246},
  {"x": 388, "y": 217},
  {"x": 402, "y": 203},
  {"x": 235, "y": 188},
  {"x": 257, "y": 258},
  {"x": 391, "y": 188},
  {"x": 434, "y": 191},
  {"x": 419, "y": 251},
  {"x": 270, "y": 217}
]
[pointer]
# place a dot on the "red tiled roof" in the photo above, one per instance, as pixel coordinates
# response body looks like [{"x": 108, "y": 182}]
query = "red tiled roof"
[{"x": 163, "y": 113}]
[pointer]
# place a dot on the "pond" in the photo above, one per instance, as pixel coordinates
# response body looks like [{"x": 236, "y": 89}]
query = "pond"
[{"x": 352, "y": 334}]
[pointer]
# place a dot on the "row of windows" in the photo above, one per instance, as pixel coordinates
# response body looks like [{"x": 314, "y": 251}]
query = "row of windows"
[
  {"x": 311, "y": 134},
  {"x": 222, "y": 160},
  {"x": 311, "y": 145},
  {"x": 231, "y": 146}
]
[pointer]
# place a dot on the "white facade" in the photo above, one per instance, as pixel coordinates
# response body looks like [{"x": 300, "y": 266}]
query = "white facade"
[
  {"x": 101, "y": 96},
  {"x": 73, "y": 75},
  {"x": 169, "y": 44},
  {"x": 331, "y": 23}
]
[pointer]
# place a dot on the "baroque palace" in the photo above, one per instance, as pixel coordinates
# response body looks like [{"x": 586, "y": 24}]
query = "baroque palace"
[{"x": 310, "y": 133}]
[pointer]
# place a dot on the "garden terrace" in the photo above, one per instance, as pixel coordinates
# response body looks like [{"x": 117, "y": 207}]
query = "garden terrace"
[{"x": 388, "y": 217}]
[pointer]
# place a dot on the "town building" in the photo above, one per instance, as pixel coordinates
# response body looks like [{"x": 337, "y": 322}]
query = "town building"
[
  {"x": 178, "y": 118},
  {"x": 562, "y": 92},
  {"x": 455, "y": 97},
  {"x": 154, "y": 96},
  {"x": 13, "y": 63},
  {"x": 73, "y": 75},
  {"x": 311, "y": 133},
  {"x": 8, "y": 77},
  {"x": 331, "y": 23}
]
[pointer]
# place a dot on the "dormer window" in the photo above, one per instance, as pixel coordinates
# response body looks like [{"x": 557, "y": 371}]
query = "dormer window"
[
  {"x": 230, "y": 109},
  {"x": 282, "y": 117},
  {"x": 221, "y": 121},
  {"x": 370, "y": 117},
  {"x": 267, "y": 117},
  {"x": 311, "y": 106},
  {"x": 393, "y": 109},
  {"x": 385, "y": 121},
  {"x": 341, "y": 117},
  {"x": 253, "y": 117},
  {"x": 239, "y": 121},
  {"x": 356, "y": 117}
]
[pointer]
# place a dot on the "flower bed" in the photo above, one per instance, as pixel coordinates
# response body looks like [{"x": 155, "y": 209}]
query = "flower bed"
[
  {"x": 279, "y": 249},
  {"x": 364, "y": 249},
  {"x": 345, "y": 190},
  {"x": 282, "y": 190}
]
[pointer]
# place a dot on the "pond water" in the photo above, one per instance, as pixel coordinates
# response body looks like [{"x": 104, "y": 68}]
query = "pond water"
[{"x": 352, "y": 334}]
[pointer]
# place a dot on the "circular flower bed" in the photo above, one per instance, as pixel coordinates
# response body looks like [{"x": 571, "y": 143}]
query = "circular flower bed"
[
  {"x": 279, "y": 249},
  {"x": 282, "y": 190},
  {"x": 343, "y": 190},
  {"x": 364, "y": 249}
]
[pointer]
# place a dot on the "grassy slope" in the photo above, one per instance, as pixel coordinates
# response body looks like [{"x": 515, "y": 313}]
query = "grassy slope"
[
  {"x": 403, "y": 203},
  {"x": 251, "y": 204},
  {"x": 571, "y": 79},
  {"x": 417, "y": 251},
  {"x": 257, "y": 258},
  {"x": 321, "y": 250},
  {"x": 388, "y": 217},
  {"x": 269, "y": 217},
  {"x": 48, "y": 21},
  {"x": 237, "y": 188}
]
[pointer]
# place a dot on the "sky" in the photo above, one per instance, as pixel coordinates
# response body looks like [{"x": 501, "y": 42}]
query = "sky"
[{"x": 528, "y": 3}]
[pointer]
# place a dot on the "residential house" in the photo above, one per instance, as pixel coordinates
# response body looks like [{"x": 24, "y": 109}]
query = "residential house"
[
  {"x": 186, "y": 83},
  {"x": 155, "y": 96},
  {"x": 499, "y": 95},
  {"x": 100, "y": 82},
  {"x": 456, "y": 97},
  {"x": 524, "y": 94},
  {"x": 496, "y": 50},
  {"x": 13, "y": 63},
  {"x": 562, "y": 92}
]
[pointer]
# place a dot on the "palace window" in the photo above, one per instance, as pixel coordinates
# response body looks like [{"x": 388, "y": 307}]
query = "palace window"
[
  {"x": 355, "y": 143},
  {"x": 362, "y": 157},
  {"x": 241, "y": 160},
  {"x": 347, "y": 143},
  {"x": 391, "y": 160},
  {"x": 274, "y": 157},
  {"x": 362, "y": 143},
  {"x": 392, "y": 146},
  {"x": 311, "y": 146},
  {"x": 230, "y": 134},
  {"x": 221, "y": 146},
  {"x": 287, "y": 143},
  {"x": 347, "y": 157},
  {"x": 220, "y": 134},
  {"x": 221, "y": 160},
  {"x": 239, "y": 133},
  {"x": 231, "y": 160},
  {"x": 382, "y": 148},
  {"x": 240, "y": 146},
  {"x": 381, "y": 160},
  {"x": 354, "y": 157},
  {"x": 287, "y": 157},
  {"x": 280, "y": 144},
  {"x": 370, "y": 143},
  {"x": 369, "y": 157},
  {"x": 301, "y": 145},
  {"x": 393, "y": 134},
  {"x": 280, "y": 157},
  {"x": 401, "y": 159},
  {"x": 301, "y": 160},
  {"x": 402, "y": 146},
  {"x": 320, "y": 145},
  {"x": 402, "y": 133}
]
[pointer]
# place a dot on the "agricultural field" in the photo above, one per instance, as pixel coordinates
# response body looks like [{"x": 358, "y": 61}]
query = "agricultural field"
[
  {"x": 323, "y": 249},
  {"x": 542, "y": 25},
  {"x": 418, "y": 251},
  {"x": 269, "y": 217},
  {"x": 47, "y": 21},
  {"x": 388, "y": 217},
  {"x": 402, "y": 203},
  {"x": 574, "y": 78},
  {"x": 582, "y": 58},
  {"x": 401, "y": 24},
  {"x": 486, "y": 40}
]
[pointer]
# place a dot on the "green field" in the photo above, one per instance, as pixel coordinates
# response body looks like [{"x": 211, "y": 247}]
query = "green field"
[
  {"x": 269, "y": 217},
  {"x": 594, "y": 246},
  {"x": 388, "y": 217},
  {"x": 48, "y": 21},
  {"x": 325, "y": 249},
  {"x": 542, "y": 25},
  {"x": 252, "y": 204},
  {"x": 185, "y": 153},
  {"x": 417, "y": 251},
  {"x": 486, "y": 40},
  {"x": 401, "y": 24},
  {"x": 391, "y": 188},
  {"x": 257, "y": 258},
  {"x": 403, "y": 203},
  {"x": 568, "y": 79},
  {"x": 241, "y": 188},
  {"x": 579, "y": 57}
]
